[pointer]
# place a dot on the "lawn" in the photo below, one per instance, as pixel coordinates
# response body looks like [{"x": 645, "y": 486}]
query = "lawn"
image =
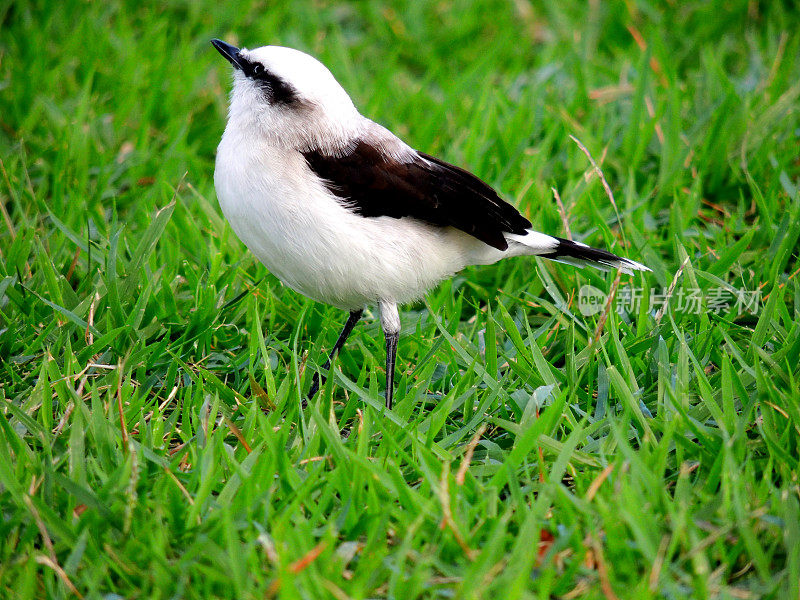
[{"x": 152, "y": 443}]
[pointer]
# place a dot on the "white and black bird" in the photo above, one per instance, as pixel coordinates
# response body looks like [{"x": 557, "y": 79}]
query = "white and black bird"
[{"x": 343, "y": 211}]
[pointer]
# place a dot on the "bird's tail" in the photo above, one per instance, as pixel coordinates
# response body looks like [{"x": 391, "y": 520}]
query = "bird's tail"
[{"x": 574, "y": 253}]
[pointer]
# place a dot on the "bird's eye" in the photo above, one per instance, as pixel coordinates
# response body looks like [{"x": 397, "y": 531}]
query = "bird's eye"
[{"x": 258, "y": 70}]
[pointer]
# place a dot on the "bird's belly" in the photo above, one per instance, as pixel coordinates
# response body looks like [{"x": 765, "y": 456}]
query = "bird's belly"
[{"x": 312, "y": 243}]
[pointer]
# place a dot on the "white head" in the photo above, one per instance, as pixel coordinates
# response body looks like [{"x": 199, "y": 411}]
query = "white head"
[{"x": 289, "y": 98}]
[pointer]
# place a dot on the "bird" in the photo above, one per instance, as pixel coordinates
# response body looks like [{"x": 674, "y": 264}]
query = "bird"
[{"x": 346, "y": 213}]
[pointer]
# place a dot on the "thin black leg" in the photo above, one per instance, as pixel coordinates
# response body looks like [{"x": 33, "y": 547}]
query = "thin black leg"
[
  {"x": 391, "y": 355},
  {"x": 355, "y": 315}
]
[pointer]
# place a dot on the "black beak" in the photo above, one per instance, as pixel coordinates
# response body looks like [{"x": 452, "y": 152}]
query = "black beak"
[{"x": 229, "y": 52}]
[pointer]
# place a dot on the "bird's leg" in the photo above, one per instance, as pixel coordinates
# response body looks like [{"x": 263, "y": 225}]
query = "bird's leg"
[
  {"x": 355, "y": 315},
  {"x": 390, "y": 322}
]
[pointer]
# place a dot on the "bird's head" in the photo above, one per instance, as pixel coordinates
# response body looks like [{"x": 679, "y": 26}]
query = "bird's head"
[{"x": 289, "y": 98}]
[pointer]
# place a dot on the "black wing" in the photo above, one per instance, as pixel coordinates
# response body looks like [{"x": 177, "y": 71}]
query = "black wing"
[{"x": 373, "y": 184}]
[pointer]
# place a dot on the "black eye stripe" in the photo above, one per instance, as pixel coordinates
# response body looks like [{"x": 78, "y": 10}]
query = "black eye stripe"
[{"x": 276, "y": 89}]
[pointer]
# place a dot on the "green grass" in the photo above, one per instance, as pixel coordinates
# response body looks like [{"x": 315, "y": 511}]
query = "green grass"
[{"x": 661, "y": 462}]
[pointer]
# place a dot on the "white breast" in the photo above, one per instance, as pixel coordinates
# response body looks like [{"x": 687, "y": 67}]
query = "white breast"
[{"x": 311, "y": 242}]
